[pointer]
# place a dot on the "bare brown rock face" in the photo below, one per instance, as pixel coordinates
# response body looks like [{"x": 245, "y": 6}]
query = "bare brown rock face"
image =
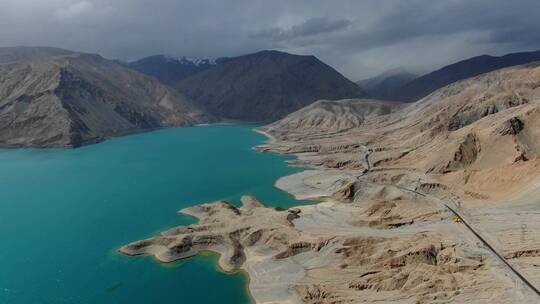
[
  {"x": 457, "y": 136},
  {"x": 472, "y": 145},
  {"x": 334, "y": 116},
  {"x": 51, "y": 97},
  {"x": 344, "y": 264},
  {"x": 266, "y": 86},
  {"x": 223, "y": 228},
  {"x": 418, "y": 204}
]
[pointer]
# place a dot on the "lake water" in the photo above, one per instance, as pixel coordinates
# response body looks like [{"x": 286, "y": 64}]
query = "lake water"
[{"x": 64, "y": 213}]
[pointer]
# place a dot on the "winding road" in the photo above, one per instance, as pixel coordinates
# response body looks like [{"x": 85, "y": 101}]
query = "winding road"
[
  {"x": 454, "y": 211},
  {"x": 494, "y": 251},
  {"x": 478, "y": 236}
]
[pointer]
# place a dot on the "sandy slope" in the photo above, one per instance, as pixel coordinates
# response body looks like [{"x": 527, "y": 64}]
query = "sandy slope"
[
  {"x": 48, "y": 98},
  {"x": 387, "y": 235}
]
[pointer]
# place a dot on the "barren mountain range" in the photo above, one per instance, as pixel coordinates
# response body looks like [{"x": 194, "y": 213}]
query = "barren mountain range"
[
  {"x": 119, "y": 99},
  {"x": 434, "y": 201},
  {"x": 420, "y": 87},
  {"x": 263, "y": 86},
  {"x": 55, "y": 97},
  {"x": 424, "y": 203},
  {"x": 66, "y": 99},
  {"x": 266, "y": 86}
]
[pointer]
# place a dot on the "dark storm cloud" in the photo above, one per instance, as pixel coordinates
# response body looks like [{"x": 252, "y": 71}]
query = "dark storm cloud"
[
  {"x": 525, "y": 34},
  {"x": 359, "y": 38},
  {"x": 311, "y": 27},
  {"x": 418, "y": 18}
]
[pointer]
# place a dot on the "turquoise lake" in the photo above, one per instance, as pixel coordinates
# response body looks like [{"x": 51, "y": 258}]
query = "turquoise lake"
[{"x": 64, "y": 213}]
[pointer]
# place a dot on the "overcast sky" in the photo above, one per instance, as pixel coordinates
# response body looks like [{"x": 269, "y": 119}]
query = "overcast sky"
[{"x": 359, "y": 38}]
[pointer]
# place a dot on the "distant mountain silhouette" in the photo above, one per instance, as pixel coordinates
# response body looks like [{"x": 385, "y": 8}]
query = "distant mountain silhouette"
[
  {"x": 266, "y": 86},
  {"x": 170, "y": 69},
  {"x": 384, "y": 86},
  {"x": 427, "y": 84}
]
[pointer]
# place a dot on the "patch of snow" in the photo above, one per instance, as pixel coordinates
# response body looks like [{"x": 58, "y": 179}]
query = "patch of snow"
[{"x": 191, "y": 60}]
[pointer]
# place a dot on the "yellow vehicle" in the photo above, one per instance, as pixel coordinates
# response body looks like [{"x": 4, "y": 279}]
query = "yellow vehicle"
[{"x": 456, "y": 219}]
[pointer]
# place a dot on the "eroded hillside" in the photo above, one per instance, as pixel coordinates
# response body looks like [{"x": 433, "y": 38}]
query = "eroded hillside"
[
  {"x": 75, "y": 99},
  {"x": 435, "y": 202}
]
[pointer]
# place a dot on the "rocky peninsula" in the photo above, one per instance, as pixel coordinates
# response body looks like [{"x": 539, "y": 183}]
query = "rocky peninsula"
[{"x": 435, "y": 202}]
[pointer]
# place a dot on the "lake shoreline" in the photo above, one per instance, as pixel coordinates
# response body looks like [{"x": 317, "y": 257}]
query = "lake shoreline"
[
  {"x": 255, "y": 289},
  {"x": 97, "y": 140},
  {"x": 221, "y": 253},
  {"x": 121, "y": 190}
]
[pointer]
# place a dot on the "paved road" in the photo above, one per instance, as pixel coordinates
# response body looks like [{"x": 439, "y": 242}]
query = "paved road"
[
  {"x": 366, "y": 160},
  {"x": 482, "y": 239},
  {"x": 465, "y": 222},
  {"x": 494, "y": 251}
]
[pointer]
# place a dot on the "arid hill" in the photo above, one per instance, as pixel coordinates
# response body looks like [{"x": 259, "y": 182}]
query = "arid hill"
[
  {"x": 471, "y": 146},
  {"x": 426, "y": 84},
  {"x": 461, "y": 134},
  {"x": 435, "y": 202},
  {"x": 333, "y": 115},
  {"x": 266, "y": 86},
  {"x": 66, "y": 99}
]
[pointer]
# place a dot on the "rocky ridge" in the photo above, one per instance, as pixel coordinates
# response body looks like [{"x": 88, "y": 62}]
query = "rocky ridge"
[
  {"x": 74, "y": 99},
  {"x": 389, "y": 184},
  {"x": 426, "y": 84},
  {"x": 266, "y": 86}
]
